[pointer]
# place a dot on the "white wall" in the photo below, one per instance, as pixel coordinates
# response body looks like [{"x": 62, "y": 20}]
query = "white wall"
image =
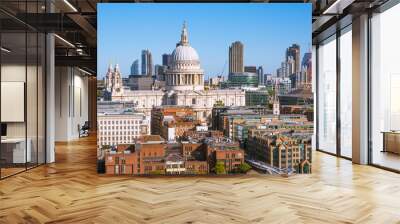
[
  {"x": 71, "y": 102},
  {"x": 11, "y": 73},
  {"x": 33, "y": 126}
]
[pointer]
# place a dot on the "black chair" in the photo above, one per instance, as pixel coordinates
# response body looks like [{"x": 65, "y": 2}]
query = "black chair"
[{"x": 84, "y": 130}]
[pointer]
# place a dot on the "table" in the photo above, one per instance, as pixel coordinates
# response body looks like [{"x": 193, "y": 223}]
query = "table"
[{"x": 13, "y": 150}]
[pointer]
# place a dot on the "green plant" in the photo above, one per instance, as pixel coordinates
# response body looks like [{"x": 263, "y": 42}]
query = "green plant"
[
  {"x": 244, "y": 168},
  {"x": 306, "y": 168},
  {"x": 220, "y": 168},
  {"x": 104, "y": 147}
]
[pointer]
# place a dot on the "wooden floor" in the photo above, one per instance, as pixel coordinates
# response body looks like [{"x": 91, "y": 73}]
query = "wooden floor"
[
  {"x": 386, "y": 159},
  {"x": 70, "y": 191}
]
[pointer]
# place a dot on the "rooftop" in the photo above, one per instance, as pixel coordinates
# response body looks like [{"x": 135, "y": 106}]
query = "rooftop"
[
  {"x": 221, "y": 143},
  {"x": 151, "y": 139},
  {"x": 120, "y": 113}
]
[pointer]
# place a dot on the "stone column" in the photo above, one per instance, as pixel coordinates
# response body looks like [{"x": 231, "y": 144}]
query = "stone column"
[
  {"x": 50, "y": 99},
  {"x": 50, "y": 93},
  {"x": 360, "y": 90}
]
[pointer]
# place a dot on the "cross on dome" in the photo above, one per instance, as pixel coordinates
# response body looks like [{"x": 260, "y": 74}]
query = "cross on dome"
[{"x": 184, "y": 35}]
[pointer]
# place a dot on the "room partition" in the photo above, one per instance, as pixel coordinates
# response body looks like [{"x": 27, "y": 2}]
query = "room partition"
[{"x": 22, "y": 76}]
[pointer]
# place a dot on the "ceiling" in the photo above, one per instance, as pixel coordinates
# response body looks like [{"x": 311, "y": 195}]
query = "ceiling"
[{"x": 75, "y": 22}]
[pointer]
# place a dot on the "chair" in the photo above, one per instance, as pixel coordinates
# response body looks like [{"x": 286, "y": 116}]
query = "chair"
[{"x": 84, "y": 130}]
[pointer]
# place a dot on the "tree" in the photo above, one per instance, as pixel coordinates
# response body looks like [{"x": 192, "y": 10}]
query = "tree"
[
  {"x": 306, "y": 168},
  {"x": 104, "y": 147},
  {"x": 220, "y": 168},
  {"x": 244, "y": 167}
]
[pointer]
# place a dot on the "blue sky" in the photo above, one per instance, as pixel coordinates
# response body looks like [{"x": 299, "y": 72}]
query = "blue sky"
[{"x": 266, "y": 30}]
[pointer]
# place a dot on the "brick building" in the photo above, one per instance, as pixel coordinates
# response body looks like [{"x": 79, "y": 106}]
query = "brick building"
[
  {"x": 151, "y": 158},
  {"x": 152, "y": 155},
  {"x": 121, "y": 161},
  {"x": 172, "y": 120},
  {"x": 179, "y": 113},
  {"x": 225, "y": 151},
  {"x": 196, "y": 167},
  {"x": 199, "y": 136},
  {"x": 290, "y": 152},
  {"x": 144, "y": 157}
]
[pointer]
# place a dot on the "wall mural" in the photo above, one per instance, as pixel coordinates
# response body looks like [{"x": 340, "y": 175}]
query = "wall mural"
[{"x": 204, "y": 89}]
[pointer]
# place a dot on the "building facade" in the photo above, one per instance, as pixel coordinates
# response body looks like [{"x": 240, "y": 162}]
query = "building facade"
[
  {"x": 151, "y": 154},
  {"x": 257, "y": 97},
  {"x": 184, "y": 71},
  {"x": 244, "y": 79},
  {"x": 250, "y": 68},
  {"x": 294, "y": 53},
  {"x": 226, "y": 152},
  {"x": 284, "y": 152},
  {"x": 140, "y": 82},
  {"x": 161, "y": 116},
  {"x": 113, "y": 79},
  {"x": 236, "y": 52},
  {"x": 147, "y": 63},
  {"x": 184, "y": 86},
  {"x": 135, "y": 68},
  {"x": 166, "y": 59},
  {"x": 261, "y": 77},
  {"x": 121, "y": 128}
]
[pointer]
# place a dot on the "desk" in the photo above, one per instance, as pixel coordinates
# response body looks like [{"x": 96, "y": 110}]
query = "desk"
[
  {"x": 13, "y": 150},
  {"x": 391, "y": 141}
]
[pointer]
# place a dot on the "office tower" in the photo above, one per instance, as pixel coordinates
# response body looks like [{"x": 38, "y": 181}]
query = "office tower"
[
  {"x": 260, "y": 73},
  {"x": 251, "y": 68},
  {"x": 267, "y": 77},
  {"x": 236, "y": 57},
  {"x": 306, "y": 68},
  {"x": 166, "y": 59},
  {"x": 279, "y": 72},
  {"x": 291, "y": 66},
  {"x": 147, "y": 63},
  {"x": 243, "y": 79},
  {"x": 135, "y": 67},
  {"x": 159, "y": 71},
  {"x": 287, "y": 68},
  {"x": 294, "y": 52},
  {"x": 275, "y": 100}
]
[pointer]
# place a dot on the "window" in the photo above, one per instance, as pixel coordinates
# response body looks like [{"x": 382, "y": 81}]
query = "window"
[
  {"x": 22, "y": 69},
  {"x": 346, "y": 92},
  {"x": 327, "y": 95},
  {"x": 385, "y": 88}
]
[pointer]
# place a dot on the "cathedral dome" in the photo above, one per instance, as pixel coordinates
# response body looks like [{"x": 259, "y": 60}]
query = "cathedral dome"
[
  {"x": 184, "y": 57},
  {"x": 184, "y": 53},
  {"x": 184, "y": 72}
]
